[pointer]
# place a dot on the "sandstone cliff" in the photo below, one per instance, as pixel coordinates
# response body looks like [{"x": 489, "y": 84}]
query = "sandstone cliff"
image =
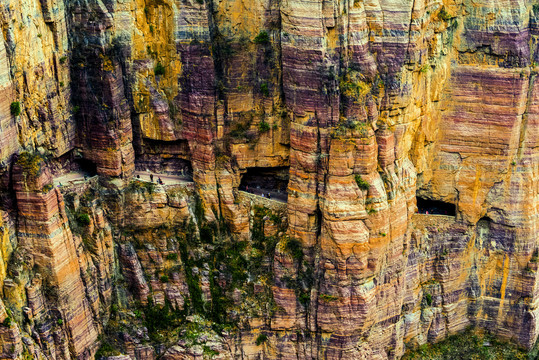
[{"x": 349, "y": 110}]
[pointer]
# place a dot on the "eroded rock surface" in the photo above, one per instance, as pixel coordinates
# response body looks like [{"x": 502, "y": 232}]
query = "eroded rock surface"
[{"x": 362, "y": 105}]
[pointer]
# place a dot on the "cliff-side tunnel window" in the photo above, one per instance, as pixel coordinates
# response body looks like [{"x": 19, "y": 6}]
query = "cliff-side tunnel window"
[
  {"x": 483, "y": 228},
  {"x": 165, "y": 157},
  {"x": 86, "y": 166},
  {"x": 271, "y": 182},
  {"x": 179, "y": 167},
  {"x": 435, "y": 207},
  {"x": 170, "y": 166}
]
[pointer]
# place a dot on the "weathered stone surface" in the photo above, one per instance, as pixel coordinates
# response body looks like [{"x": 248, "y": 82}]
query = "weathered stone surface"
[{"x": 366, "y": 103}]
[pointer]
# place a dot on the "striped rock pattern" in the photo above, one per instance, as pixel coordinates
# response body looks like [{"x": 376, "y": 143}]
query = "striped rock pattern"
[{"x": 367, "y": 103}]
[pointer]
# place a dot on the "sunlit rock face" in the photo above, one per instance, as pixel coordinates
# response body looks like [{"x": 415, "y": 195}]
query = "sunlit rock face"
[{"x": 288, "y": 141}]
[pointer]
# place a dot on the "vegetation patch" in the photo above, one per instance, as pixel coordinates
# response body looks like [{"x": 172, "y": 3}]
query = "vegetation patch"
[
  {"x": 260, "y": 339},
  {"x": 137, "y": 185},
  {"x": 362, "y": 184},
  {"x": 427, "y": 299},
  {"x": 345, "y": 128},
  {"x": 262, "y": 38},
  {"x": 161, "y": 320},
  {"x": 353, "y": 85},
  {"x": 30, "y": 163},
  {"x": 444, "y": 15},
  {"x": 15, "y": 108},
  {"x": 263, "y": 127},
  {"x": 293, "y": 247},
  {"x": 264, "y": 89},
  {"x": 328, "y": 298},
  {"x": 106, "y": 349},
  {"x": 47, "y": 188},
  {"x": 469, "y": 345},
  {"x": 239, "y": 130},
  {"x": 83, "y": 219},
  {"x": 159, "y": 69},
  {"x": 7, "y": 322}
]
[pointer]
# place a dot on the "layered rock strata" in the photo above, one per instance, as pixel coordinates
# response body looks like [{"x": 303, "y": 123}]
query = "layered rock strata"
[{"x": 367, "y": 104}]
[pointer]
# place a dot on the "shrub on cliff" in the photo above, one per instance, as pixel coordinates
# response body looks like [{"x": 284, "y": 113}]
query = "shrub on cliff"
[
  {"x": 47, "y": 188},
  {"x": 304, "y": 298},
  {"x": 137, "y": 185},
  {"x": 362, "y": 184},
  {"x": 150, "y": 186},
  {"x": 83, "y": 219},
  {"x": 15, "y": 108},
  {"x": 427, "y": 299},
  {"x": 328, "y": 298},
  {"x": 159, "y": 69},
  {"x": 30, "y": 163},
  {"x": 264, "y": 89},
  {"x": 293, "y": 247},
  {"x": 444, "y": 15},
  {"x": 349, "y": 127},
  {"x": 262, "y": 338},
  {"x": 263, "y": 127},
  {"x": 7, "y": 322},
  {"x": 262, "y": 37},
  {"x": 239, "y": 130},
  {"x": 161, "y": 319},
  {"x": 106, "y": 349},
  {"x": 354, "y": 85}
]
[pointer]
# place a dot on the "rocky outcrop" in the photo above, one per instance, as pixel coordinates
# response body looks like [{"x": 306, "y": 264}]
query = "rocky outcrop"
[
  {"x": 35, "y": 78},
  {"x": 47, "y": 247}
]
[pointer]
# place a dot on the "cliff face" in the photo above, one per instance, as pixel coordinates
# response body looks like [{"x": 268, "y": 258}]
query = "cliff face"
[{"x": 354, "y": 107}]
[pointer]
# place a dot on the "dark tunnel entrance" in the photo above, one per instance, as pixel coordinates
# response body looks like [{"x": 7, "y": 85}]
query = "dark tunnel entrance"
[
  {"x": 86, "y": 166},
  {"x": 165, "y": 157},
  {"x": 268, "y": 182},
  {"x": 171, "y": 166},
  {"x": 435, "y": 207}
]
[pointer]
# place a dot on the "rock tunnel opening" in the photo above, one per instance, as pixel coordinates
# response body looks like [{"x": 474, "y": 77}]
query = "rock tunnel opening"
[
  {"x": 483, "y": 228},
  {"x": 86, "y": 166},
  {"x": 435, "y": 207},
  {"x": 165, "y": 157},
  {"x": 170, "y": 166},
  {"x": 484, "y": 221},
  {"x": 269, "y": 182}
]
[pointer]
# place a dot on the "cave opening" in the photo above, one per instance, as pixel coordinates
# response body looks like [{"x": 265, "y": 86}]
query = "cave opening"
[
  {"x": 86, "y": 166},
  {"x": 435, "y": 207},
  {"x": 268, "y": 182},
  {"x": 165, "y": 157},
  {"x": 168, "y": 166},
  {"x": 483, "y": 228},
  {"x": 485, "y": 221}
]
